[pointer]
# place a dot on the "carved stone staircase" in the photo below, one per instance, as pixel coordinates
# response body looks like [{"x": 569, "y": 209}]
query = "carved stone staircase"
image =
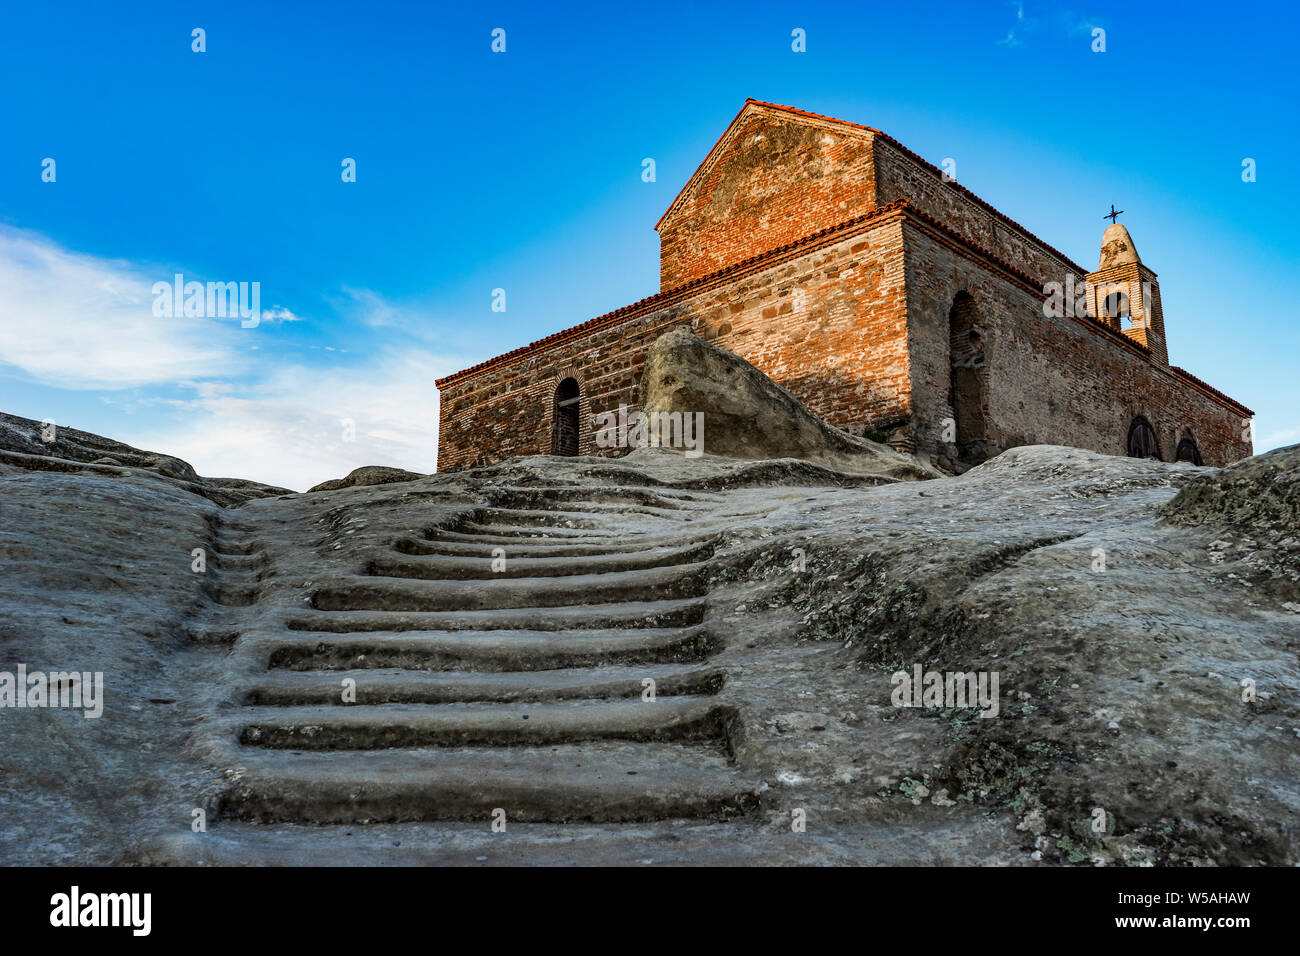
[{"x": 545, "y": 660}]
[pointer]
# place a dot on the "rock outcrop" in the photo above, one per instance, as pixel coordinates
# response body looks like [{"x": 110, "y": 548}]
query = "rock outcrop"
[
  {"x": 747, "y": 415},
  {"x": 662, "y": 658},
  {"x": 1256, "y": 504},
  {"x": 1259, "y": 496},
  {"x": 30, "y": 437},
  {"x": 365, "y": 476},
  {"x": 26, "y": 444}
]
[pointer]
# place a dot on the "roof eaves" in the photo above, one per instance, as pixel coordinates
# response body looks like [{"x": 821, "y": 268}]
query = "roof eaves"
[{"x": 881, "y": 213}]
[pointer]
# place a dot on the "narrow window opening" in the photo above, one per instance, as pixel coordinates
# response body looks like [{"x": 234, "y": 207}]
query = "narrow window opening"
[
  {"x": 568, "y": 397},
  {"x": 968, "y": 383}
]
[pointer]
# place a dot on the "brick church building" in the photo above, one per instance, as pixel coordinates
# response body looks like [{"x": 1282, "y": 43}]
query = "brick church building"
[{"x": 887, "y": 298}]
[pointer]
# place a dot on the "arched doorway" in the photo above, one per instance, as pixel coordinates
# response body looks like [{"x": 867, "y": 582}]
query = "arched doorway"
[
  {"x": 1142, "y": 440},
  {"x": 1188, "y": 451},
  {"x": 568, "y": 396},
  {"x": 968, "y": 381}
]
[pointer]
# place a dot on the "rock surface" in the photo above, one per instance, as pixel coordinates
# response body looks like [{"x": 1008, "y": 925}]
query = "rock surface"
[
  {"x": 367, "y": 475},
  {"x": 1257, "y": 502},
  {"x": 747, "y": 415},
  {"x": 31, "y": 437},
  {"x": 26, "y": 444},
  {"x": 498, "y": 626}
]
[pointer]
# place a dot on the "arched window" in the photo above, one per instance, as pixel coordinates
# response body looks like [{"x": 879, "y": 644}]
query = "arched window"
[
  {"x": 1117, "y": 310},
  {"x": 968, "y": 381},
  {"x": 1187, "y": 451},
  {"x": 1142, "y": 440},
  {"x": 568, "y": 396}
]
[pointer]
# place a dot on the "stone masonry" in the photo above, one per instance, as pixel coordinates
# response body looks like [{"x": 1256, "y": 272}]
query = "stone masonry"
[{"x": 887, "y": 298}]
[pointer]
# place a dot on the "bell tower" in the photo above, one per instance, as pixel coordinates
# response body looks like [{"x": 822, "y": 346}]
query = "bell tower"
[{"x": 1125, "y": 293}]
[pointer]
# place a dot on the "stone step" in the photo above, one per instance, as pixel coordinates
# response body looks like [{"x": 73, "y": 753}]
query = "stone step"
[
  {"x": 238, "y": 562},
  {"x": 573, "y": 514},
  {"x": 546, "y": 520},
  {"x": 509, "y": 532},
  {"x": 502, "y": 650},
  {"x": 535, "y": 724},
  {"x": 288, "y": 687},
  {"x": 221, "y": 634},
  {"x": 607, "y": 781},
  {"x": 229, "y": 593},
  {"x": 369, "y": 593},
  {"x": 591, "y": 509},
  {"x": 630, "y": 614},
  {"x": 743, "y": 841},
  {"x": 233, "y": 546},
  {"x": 446, "y": 567},
  {"x": 681, "y": 532},
  {"x": 610, "y": 500},
  {"x": 468, "y": 533},
  {"x": 476, "y": 546}
]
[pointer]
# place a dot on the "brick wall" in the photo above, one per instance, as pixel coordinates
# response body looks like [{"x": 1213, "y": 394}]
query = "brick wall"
[
  {"x": 856, "y": 327},
  {"x": 901, "y": 176},
  {"x": 1148, "y": 317},
  {"x": 1058, "y": 381},
  {"x": 828, "y": 323},
  {"x": 853, "y": 321},
  {"x": 772, "y": 179}
]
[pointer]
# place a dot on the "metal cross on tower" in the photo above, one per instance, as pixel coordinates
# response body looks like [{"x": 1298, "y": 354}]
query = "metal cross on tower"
[{"x": 1113, "y": 216}]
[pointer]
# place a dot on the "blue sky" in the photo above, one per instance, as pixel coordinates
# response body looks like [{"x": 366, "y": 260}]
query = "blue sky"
[{"x": 522, "y": 171}]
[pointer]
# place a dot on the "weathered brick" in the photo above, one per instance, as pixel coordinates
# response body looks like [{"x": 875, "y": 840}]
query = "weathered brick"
[{"x": 830, "y": 257}]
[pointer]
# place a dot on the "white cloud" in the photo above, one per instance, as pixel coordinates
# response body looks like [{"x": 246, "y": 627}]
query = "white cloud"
[
  {"x": 1064, "y": 20},
  {"x": 1279, "y": 438},
  {"x": 1011, "y": 39},
  {"x": 82, "y": 322},
  {"x": 289, "y": 430},
  {"x": 79, "y": 322},
  {"x": 370, "y": 309}
]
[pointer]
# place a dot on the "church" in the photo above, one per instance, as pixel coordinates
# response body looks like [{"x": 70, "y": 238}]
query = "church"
[{"x": 890, "y": 300}]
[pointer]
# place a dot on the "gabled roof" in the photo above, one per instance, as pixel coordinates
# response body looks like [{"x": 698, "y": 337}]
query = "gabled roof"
[
  {"x": 899, "y": 208},
  {"x": 751, "y": 103}
]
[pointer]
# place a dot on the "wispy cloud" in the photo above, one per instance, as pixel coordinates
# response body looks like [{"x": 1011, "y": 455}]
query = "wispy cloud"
[
  {"x": 367, "y": 308},
  {"x": 279, "y": 314},
  {"x": 302, "y": 425},
  {"x": 81, "y": 322},
  {"x": 1058, "y": 20},
  {"x": 1012, "y": 38},
  {"x": 1278, "y": 438},
  {"x": 1075, "y": 23},
  {"x": 231, "y": 401}
]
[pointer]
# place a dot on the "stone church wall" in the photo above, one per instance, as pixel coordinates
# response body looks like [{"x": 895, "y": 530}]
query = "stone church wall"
[
  {"x": 1050, "y": 380},
  {"x": 795, "y": 252},
  {"x": 900, "y": 176},
  {"x": 777, "y": 180},
  {"x": 828, "y": 323}
]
